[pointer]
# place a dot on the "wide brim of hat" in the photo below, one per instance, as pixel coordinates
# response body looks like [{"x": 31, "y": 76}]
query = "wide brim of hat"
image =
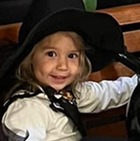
[{"x": 101, "y": 32}]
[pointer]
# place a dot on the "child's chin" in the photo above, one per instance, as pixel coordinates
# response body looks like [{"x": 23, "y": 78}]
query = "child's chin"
[{"x": 58, "y": 88}]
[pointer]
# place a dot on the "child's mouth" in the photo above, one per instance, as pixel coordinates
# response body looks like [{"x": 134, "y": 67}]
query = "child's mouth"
[{"x": 59, "y": 79}]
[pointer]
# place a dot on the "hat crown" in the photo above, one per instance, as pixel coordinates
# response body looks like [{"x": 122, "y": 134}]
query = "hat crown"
[
  {"x": 43, "y": 8},
  {"x": 55, "y": 5}
]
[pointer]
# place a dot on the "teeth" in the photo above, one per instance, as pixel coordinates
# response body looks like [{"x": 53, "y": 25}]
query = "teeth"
[{"x": 59, "y": 77}]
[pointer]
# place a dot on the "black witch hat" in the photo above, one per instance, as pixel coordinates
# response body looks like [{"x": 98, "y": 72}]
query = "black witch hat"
[{"x": 101, "y": 32}]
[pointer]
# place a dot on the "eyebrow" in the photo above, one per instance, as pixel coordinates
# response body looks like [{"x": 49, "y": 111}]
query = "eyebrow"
[{"x": 47, "y": 47}]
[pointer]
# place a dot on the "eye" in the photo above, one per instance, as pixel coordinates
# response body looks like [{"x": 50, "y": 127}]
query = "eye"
[
  {"x": 73, "y": 55},
  {"x": 51, "y": 54}
]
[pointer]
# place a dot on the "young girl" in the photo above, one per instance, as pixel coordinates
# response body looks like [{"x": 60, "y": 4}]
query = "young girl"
[
  {"x": 52, "y": 67},
  {"x": 59, "y": 61}
]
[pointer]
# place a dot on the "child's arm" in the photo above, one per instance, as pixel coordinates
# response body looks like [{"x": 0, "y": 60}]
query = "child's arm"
[{"x": 96, "y": 97}]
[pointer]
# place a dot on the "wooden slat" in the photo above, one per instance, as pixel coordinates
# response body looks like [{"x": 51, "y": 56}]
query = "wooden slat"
[
  {"x": 9, "y": 32},
  {"x": 132, "y": 40},
  {"x": 127, "y": 14}
]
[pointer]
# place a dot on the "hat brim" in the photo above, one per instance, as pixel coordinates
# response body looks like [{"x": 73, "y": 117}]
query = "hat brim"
[{"x": 100, "y": 31}]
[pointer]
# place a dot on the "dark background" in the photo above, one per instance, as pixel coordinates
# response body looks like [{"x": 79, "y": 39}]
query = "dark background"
[{"x": 12, "y": 11}]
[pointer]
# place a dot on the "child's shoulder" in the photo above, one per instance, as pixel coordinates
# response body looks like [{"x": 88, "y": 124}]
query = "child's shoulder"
[{"x": 20, "y": 103}]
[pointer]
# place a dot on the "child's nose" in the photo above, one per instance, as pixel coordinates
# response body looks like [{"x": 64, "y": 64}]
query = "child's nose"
[{"x": 62, "y": 64}]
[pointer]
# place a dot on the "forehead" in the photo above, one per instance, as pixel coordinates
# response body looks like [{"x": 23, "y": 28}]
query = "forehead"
[{"x": 58, "y": 36}]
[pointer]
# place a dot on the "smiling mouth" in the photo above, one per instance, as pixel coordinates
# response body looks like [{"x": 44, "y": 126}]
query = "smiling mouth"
[{"x": 59, "y": 79}]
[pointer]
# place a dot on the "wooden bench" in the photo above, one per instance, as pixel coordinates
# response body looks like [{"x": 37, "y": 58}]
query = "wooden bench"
[
  {"x": 9, "y": 33},
  {"x": 111, "y": 122},
  {"x": 128, "y": 17}
]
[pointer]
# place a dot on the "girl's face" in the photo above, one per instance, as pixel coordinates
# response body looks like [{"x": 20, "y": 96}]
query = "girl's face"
[{"x": 56, "y": 61}]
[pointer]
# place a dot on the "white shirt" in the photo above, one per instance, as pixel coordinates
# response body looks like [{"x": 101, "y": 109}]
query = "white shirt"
[{"x": 34, "y": 116}]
